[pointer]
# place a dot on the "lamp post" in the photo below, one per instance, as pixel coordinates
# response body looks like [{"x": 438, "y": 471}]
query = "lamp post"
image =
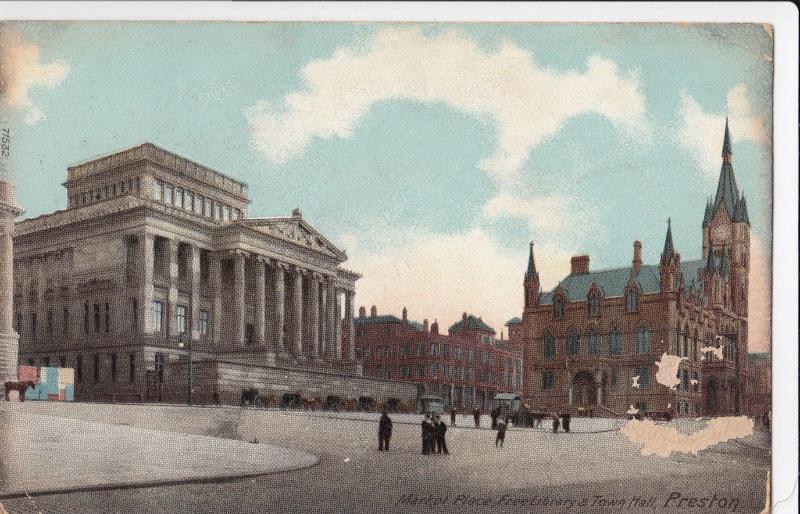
[{"x": 186, "y": 343}]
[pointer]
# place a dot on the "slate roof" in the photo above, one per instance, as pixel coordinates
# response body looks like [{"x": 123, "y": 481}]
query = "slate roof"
[
  {"x": 471, "y": 323},
  {"x": 514, "y": 321},
  {"x": 384, "y": 318}
]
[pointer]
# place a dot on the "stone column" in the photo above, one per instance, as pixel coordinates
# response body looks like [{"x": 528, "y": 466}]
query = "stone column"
[
  {"x": 280, "y": 308},
  {"x": 323, "y": 319},
  {"x": 570, "y": 396},
  {"x": 351, "y": 336},
  {"x": 216, "y": 286},
  {"x": 297, "y": 314},
  {"x": 238, "y": 298},
  {"x": 261, "y": 301},
  {"x": 194, "y": 271},
  {"x": 330, "y": 321},
  {"x": 146, "y": 259},
  {"x": 313, "y": 317},
  {"x": 9, "y": 339},
  {"x": 172, "y": 319},
  {"x": 337, "y": 323}
]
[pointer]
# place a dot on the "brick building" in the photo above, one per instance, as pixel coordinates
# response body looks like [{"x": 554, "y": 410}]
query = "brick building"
[
  {"x": 759, "y": 369},
  {"x": 594, "y": 340},
  {"x": 466, "y": 367},
  {"x": 154, "y": 256}
]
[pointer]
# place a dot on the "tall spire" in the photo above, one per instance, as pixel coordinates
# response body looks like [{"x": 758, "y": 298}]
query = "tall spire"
[
  {"x": 669, "y": 247},
  {"x": 531, "y": 264},
  {"x": 726, "y": 142}
]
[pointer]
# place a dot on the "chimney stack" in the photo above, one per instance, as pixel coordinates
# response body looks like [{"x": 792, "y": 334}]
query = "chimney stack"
[
  {"x": 637, "y": 256},
  {"x": 405, "y": 314},
  {"x": 464, "y": 317},
  {"x": 425, "y": 325},
  {"x": 373, "y": 311},
  {"x": 362, "y": 312},
  {"x": 580, "y": 264},
  {"x": 435, "y": 328}
]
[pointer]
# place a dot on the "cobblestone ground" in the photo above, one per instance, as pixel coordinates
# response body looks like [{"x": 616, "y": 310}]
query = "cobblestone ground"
[{"x": 593, "y": 469}]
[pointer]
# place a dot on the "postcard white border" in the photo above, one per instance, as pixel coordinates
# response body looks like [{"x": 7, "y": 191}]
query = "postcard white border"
[{"x": 782, "y": 15}]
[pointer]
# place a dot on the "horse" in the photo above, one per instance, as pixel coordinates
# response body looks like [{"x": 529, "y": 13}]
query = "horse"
[{"x": 18, "y": 386}]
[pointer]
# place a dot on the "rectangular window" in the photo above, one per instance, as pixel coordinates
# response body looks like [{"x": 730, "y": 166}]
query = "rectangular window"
[
  {"x": 226, "y": 213},
  {"x": 33, "y": 324},
  {"x": 180, "y": 318},
  {"x": 158, "y": 316},
  {"x": 96, "y": 369},
  {"x": 179, "y": 197},
  {"x": 684, "y": 373},
  {"x": 208, "y": 208},
  {"x": 593, "y": 342},
  {"x": 446, "y": 351},
  {"x": 419, "y": 349},
  {"x": 188, "y": 201},
  {"x": 644, "y": 377},
  {"x": 434, "y": 370},
  {"x": 132, "y": 368},
  {"x": 78, "y": 368},
  {"x": 549, "y": 348},
  {"x": 548, "y": 380},
  {"x": 65, "y": 321},
  {"x": 457, "y": 353},
  {"x": 217, "y": 211},
  {"x": 434, "y": 349},
  {"x": 236, "y": 214},
  {"x": 113, "y": 367},
  {"x": 249, "y": 334},
  {"x": 168, "y": 194},
  {"x": 203, "y": 323},
  {"x": 108, "y": 319},
  {"x": 135, "y": 315},
  {"x": 50, "y": 323},
  {"x": 420, "y": 371},
  {"x": 470, "y": 356},
  {"x": 615, "y": 342},
  {"x": 96, "y": 318},
  {"x": 198, "y": 203}
]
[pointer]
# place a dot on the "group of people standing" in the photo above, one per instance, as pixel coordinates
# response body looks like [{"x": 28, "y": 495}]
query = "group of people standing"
[
  {"x": 565, "y": 419},
  {"x": 433, "y": 435}
]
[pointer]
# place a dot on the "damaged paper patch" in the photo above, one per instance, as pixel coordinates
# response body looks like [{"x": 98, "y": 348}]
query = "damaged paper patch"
[
  {"x": 662, "y": 440},
  {"x": 667, "y": 373}
]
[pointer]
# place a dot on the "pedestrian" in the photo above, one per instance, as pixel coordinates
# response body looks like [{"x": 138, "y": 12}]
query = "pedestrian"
[
  {"x": 384, "y": 432},
  {"x": 425, "y": 435},
  {"x": 555, "y": 423},
  {"x": 495, "y": 413},
  {"x": 441, "y": 443},
  {"x": 476, "y": 415},
  {"x": 452, "y": 416},
  {"x": 565, "y": 420},
  {"x": 501, "y": 434}
]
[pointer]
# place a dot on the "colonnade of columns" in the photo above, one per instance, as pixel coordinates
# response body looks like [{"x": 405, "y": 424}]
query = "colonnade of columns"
[{"x": 296, "y": 312}]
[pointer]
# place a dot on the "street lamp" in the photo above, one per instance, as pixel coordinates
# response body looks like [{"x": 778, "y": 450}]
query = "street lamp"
[{"x": 185, "y": 342}]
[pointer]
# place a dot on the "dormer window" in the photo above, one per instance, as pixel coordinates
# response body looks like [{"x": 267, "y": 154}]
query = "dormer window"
[
  {"x": 594, "y": 304},
  {"x": 631, "y": 300},
  {"x": 558, "y": 307}
]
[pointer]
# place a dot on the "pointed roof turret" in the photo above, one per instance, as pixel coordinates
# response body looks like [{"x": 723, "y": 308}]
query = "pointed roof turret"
[
  {"x": 709, "y": 212},
  {"x": 727, "y": 192},
  {"x": 740, "y": 216},
  {"x": 669, "y": 247},
  {"x": 531, "y": 264},
  {"x": 726, "y": 142}
]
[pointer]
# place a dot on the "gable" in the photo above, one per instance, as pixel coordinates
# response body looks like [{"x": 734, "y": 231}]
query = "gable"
[{"x": 294, "y": 230}]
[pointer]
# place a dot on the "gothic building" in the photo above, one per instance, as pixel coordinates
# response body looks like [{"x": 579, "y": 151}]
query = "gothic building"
[
  {"x": 595, "y": 342},
  {"x": 155, "y": 268}
]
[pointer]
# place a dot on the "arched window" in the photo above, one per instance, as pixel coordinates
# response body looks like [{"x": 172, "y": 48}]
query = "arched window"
[
  {"x": 593, "y": 340},
  {"x": 643, "y": 339},
  {"x": 631, "y": 298},
  {"x": 615, "y": 341},
  {"x": 594, "y": 304},
  {"x": 573, "y": 343},
  {"x": 558, "y": 307},
  {"x": 549, "y": 347},
  {"x": 685, "y": 343}
]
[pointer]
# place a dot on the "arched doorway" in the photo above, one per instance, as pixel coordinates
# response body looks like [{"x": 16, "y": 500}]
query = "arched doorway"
[
  {"x": 584, "y": 390},
  {"x": 711, "y": 396}
]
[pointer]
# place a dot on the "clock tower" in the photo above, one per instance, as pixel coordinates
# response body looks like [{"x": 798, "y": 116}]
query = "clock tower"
[{"x": 726, "y": 231}]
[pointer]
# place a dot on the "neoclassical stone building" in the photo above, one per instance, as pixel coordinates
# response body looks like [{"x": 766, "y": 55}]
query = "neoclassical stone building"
[
  {"x": 154, "y": 256},
  {"x": 592, "y": 343}
]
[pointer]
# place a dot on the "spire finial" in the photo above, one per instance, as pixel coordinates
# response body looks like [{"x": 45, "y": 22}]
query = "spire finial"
[
  {"x": 669, "y": 247},
  {"x": 531, "y": 263},
  {"x": 726, "y": 142}
]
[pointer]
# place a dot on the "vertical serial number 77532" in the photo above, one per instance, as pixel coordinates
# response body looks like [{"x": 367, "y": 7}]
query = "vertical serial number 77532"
[{"x": 5, "y": 141}]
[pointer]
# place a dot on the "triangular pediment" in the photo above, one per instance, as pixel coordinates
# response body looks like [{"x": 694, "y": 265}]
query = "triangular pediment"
[{"x": 295, "y": 230}]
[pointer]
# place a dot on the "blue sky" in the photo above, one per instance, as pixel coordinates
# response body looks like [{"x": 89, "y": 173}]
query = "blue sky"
[{"x": 433, "y": 176}]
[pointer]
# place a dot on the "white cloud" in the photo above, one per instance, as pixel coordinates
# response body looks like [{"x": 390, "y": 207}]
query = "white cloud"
[
  {"x": 552, "y": 218},
  {"x": 20, "y": 70},
  {"x": 440, "y": 276},
  {"x": 701, "y": 131},
  {"x": 527, "y": 102}
]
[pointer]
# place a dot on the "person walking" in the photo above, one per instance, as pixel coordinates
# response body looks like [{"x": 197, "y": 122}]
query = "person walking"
[
  {"x": 384, "y": 432},
  {"x": 565, "y": 419},
  {"x": 452, "y": 416},
  {"x": 555, "y": 423},
  {"x": 501, "y": 434},
  {"x": 425, "y": 436},
  {"x": 495, "y": 413},
  {"x": 476, "y": 415}
]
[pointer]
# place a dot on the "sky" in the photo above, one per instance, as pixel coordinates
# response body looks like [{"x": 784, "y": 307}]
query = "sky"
[{"x": 433, "y": 154}]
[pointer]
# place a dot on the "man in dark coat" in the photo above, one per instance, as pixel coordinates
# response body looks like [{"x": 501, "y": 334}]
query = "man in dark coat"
[
  {"x": 555, "y": 423},
  {"x": 452, "y": 417},
  {"x": 501, "y": 434},
  {"x": 384, "y": 432},
  {"x": 565, "y": 420},
  {"x": 441, "y": 444},
  {"x": 426, "y": 434},
  {"x": 476, "y": 415},
  {"x": 495, "y": 415}
]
